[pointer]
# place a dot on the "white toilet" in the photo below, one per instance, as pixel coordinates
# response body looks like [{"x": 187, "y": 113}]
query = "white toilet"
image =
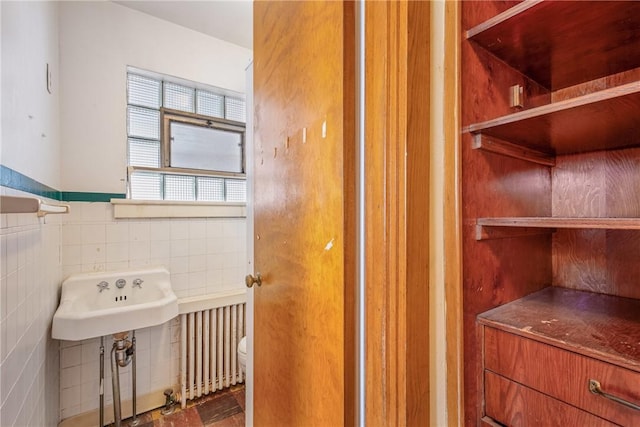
[{"x": 242, "y": 355}]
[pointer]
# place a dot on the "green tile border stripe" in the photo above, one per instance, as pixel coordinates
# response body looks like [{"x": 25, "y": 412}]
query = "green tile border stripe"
[
  {"x": 13, "y": 179},
  {"x": 75, "y": 196}
]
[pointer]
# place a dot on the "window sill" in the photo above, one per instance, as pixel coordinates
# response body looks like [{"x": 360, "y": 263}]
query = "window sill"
[{"x": 127, "y": 208}]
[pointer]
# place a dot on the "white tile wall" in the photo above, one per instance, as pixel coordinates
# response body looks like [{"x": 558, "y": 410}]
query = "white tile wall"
[
  {"x": 30, "y": 273},
  {"x": 203, "y": 256},
  {"x": 157, "y": 351}
]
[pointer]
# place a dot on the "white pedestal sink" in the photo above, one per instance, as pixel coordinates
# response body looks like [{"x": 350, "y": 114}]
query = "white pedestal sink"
[{"x": 97, "y": 304}]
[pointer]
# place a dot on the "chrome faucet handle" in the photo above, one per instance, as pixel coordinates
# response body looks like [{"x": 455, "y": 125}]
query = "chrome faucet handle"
[
  {"x": 103, "y": 285},
  {"x": 138, "y": 283}
]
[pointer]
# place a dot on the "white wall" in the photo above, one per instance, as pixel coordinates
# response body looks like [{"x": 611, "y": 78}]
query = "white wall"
[
  {"x": 98, "y": 40},
  {"x": 29, "y": 248},
  {"x": 75, "y": 140},
  {"x": 30, "y": 115}
]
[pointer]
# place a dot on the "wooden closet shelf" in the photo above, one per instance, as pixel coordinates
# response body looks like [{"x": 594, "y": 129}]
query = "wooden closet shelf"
[
  {"x": 558, "y": 44},
  {"x": 496, "y": 228},
  {"x": 596, "y": 325},
  {"x": 606, "y": 119}
]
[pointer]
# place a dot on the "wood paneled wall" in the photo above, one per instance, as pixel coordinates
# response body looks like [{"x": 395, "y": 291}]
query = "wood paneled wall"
[
  {"x": 495, "y": 271},
  {"x": 594, "y": 184}
]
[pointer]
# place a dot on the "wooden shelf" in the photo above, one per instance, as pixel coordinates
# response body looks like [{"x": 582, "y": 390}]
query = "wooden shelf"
[
  {"x": 607, "y": 119},
  {"x": 595, "y": 325},
  {"x": 576, "y": 138},
  {"x": 497, "y": 146},
  {"x": 560, "y": 44},
  {"x": 496, "y": 228}
]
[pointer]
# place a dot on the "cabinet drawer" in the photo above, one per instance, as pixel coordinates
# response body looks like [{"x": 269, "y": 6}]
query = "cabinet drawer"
[
  {"x": 514, "y": 405},
  {"x": 563, "y": 375}
]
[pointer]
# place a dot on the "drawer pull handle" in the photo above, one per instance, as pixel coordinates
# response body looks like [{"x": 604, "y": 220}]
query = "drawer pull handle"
[{"x": 595, "y": 388}]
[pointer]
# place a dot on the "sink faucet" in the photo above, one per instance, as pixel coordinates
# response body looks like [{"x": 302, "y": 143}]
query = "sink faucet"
[{"x": 103, "y": 285}]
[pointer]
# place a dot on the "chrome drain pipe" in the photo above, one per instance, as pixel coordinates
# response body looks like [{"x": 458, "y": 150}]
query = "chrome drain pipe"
[
  {"x": 123, "y": 352},
  {"x": 115, "y": 385},
  {"x": 134, "y": 419},
  {"x": 101, "y": 382}
]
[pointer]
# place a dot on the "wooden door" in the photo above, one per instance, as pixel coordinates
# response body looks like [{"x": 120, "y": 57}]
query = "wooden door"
[{"x": 303, "y": 148}]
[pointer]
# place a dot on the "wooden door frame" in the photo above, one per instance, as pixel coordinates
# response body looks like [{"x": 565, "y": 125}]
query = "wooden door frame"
[
  {"x": 409, "y": 274},
  {"x": 385, "y": 222},
  {"x": 452, "y": 216},
  {"x": 399, "y": 202}
]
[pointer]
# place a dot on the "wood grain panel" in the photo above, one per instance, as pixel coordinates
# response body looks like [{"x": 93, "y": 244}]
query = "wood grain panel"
[
  {"x": 541, "y": 41},
  {"x": 350, "y": 226},
  {"x": 377, "y": 272},
  {"x": 580, "y": 260},
  {"x": 596, "y": 325},
  {"x": 622, "y": 183},
  {"x": 591, "y": 115},
  {"x": 452, "y": 219},
  {"x": 495, "y": 273},
  {"x": 578, "y": 186},
  {"x": 514, "y": 405},
  {"x": 623, "y": 263},
  {"x": 598, "y": 184},
  {"x": 484, "y": 10},
  {"x": 493, "y": 185},
  {"x": 417, "y": 209},
  {"x": 488, "y": 422},
  {"x": 604, "y": 184},
  {"x": 562, "y": 222},
  {"x": 596, "y": 85},
  {"x": 396, "y": 153},
  {"x": 601, "y": 120},
  {"x": 565, "y": 375},
  {"x": 300, "y": 209},
  {"x": 597, "y": 261}
]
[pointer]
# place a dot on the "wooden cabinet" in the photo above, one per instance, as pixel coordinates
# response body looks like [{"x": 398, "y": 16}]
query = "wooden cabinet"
[
  {"x": 557, "y": 342},
  {"x": 550, "y": 99}
]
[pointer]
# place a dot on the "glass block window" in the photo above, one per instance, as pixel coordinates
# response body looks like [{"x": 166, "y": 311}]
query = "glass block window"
[
  {"x": 235, "y": 109},
  {"x": 146, "y": 186},
  {"x": 143, "y": 123},
  {"x": 210, "y": 104},
  {"x": 146, "y": 96},
  {"x": 236, "y": 190},
  {"x": 179, "y": 187},
  {"x": 143, "y": 91},
  {"x": 179, "y": 97},
  {"x": 144, "y": 152},
  {"x": 211, "y": 189}
]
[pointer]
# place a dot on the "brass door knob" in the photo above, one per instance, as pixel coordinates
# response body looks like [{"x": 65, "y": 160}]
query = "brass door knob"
[{"x": 250, "y": 280}]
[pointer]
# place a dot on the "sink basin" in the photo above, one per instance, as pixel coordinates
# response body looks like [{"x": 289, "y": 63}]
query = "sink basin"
[{"x": 86, "y": 311}]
